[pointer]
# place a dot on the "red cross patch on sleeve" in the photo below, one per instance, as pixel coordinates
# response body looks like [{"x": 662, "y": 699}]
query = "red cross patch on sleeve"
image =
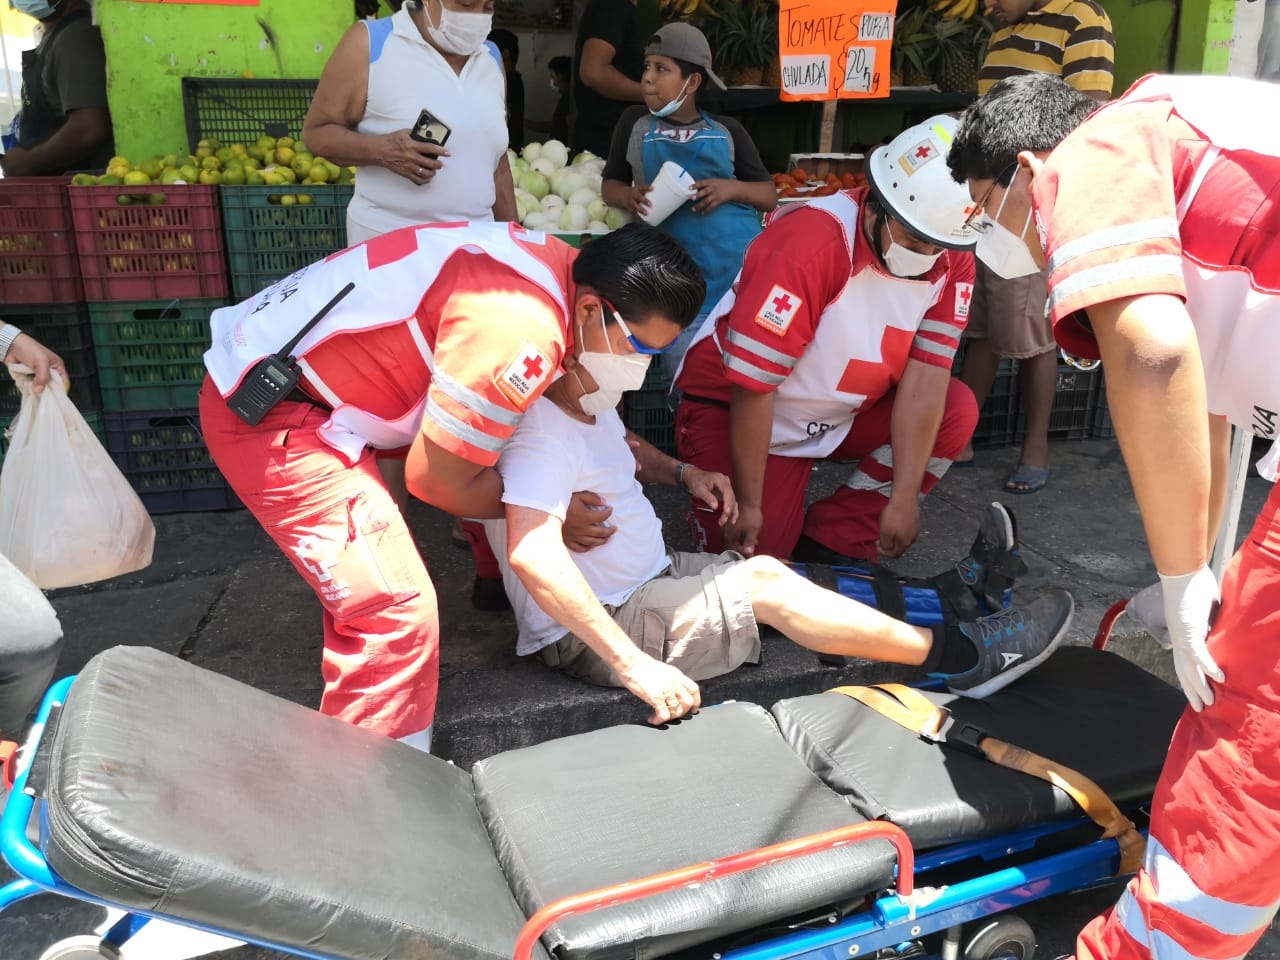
[
  {"x": 964, "y": 296},
  {"x": 778, "y": 310},
  {"x": 523, "y": 377}
]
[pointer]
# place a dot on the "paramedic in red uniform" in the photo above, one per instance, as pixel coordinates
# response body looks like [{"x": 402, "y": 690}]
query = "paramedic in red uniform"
[
  {"x": 836, "y": 343},
  {"x": 449, "y": 333},
  {"x": 1157, "y": 217}
]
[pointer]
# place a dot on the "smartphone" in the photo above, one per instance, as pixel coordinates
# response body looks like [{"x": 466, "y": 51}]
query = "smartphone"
[{"x": 428, "y": 128}]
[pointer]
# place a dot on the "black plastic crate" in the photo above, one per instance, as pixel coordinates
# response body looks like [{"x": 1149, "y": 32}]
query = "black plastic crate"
[
  {"x": 1074, "y": 402},
  {"x": 1103, "y": 429},
  {"x": 241, "y": 111},
  {"x": 64, "y": 329},
  {"x": 999, "y": 414},
  {"x": 162, "y": 452},
  {"x": 647, "y": 413}
]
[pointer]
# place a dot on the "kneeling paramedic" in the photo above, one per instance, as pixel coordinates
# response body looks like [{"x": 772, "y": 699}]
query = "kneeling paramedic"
[
  {"x": 836, "y": 343},
  {"x": 435, "y": 339}
]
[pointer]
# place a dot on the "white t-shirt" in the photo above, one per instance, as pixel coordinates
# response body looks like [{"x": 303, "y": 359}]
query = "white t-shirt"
[
  {"x": 549, "y": 457},
  {"x": 406, "y": 75}
]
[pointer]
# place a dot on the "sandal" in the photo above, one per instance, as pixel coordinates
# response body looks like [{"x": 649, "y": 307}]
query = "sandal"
[{"x": 1027, "y": 478}]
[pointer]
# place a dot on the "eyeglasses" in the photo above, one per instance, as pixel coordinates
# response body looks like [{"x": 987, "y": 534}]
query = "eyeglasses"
[
  {"x": 636, "y": 345},
  {"x": 979, "y": 221}
]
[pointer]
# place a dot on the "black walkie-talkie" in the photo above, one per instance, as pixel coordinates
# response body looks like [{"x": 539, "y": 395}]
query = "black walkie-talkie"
[{"x": 274, "y": 377}]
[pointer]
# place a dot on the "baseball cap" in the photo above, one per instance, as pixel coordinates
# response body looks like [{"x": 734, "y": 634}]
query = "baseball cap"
[{"x": 684, "y": 41}]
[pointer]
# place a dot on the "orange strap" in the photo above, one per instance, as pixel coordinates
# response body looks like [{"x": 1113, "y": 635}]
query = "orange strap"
[{"x": 910, "y": 708}]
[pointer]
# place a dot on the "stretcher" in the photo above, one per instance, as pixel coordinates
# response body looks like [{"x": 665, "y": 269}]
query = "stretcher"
[{"x": 815, "y": 829}]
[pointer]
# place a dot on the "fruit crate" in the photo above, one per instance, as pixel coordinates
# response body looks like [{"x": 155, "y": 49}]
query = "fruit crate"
[
  {"x": 820, "y": 164},
  {"x": 647, "y": 413},
  {"x": 273, "y": 231},
  {"x": 999, "y": 415},
  {"x": 162, "y": 452},
  {"x": 1074, "y": 401},
  {"x": 38, "y": 262},
  {"x": 64, "y": 329},
  {"x": 241, "y": 111},
  {"x": 150, "y": 242},
  {"x": 151, "y": 352},
  {"x": 95, "y": 419}
]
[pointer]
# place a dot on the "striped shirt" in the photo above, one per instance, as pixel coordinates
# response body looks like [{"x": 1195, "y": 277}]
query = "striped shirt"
[{"x": 1069, "y": 38}]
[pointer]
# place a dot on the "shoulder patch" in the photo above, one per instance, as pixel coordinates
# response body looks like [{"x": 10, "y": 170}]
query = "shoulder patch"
[
  {"x": 778, "y": 310},
  {"x": 524, "y": 375},
  {"x": 964, "y": 295}
]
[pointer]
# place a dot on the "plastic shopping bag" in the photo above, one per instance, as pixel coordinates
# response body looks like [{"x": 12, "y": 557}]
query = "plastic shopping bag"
[{"x": 67, "y": 514}]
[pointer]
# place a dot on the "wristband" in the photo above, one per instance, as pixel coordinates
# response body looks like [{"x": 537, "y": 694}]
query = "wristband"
[
  {"x": 680, "y": 469},
  {"x": 9, "y": 334}
]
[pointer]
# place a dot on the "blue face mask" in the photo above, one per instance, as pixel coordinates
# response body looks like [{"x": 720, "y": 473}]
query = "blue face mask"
[
  {"x": 665, "y": 111},
  {"x": 40, "y": 9}
]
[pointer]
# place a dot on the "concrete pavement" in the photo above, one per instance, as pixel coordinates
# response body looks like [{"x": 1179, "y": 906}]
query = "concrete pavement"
[{"x": 220, "y": 595}]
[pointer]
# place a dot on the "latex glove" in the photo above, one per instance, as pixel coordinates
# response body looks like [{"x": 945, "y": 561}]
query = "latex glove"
[
  {"x": 1147, "y": 607},
  {"x": 1188, "y": 602}
]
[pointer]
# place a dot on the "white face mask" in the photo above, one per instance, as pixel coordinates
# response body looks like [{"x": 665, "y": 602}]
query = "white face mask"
[
  {"x": 673, "y": 105},
  {"x": 904, "y": 262},
  {"x": 459, "y": 32},
  {"x": 614, "y": 374},
  {"x": 1004, "y": 252}
]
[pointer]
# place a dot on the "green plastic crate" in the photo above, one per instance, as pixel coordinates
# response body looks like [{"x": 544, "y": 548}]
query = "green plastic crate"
[
  {"x": 151, "y": 352},
  {"x": 272, "y": 232},
  {"x": 647, "y": 413}
]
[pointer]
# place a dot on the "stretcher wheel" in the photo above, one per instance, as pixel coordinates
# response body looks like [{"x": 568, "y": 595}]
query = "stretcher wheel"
[
  {"x": 1007, "y": 937},
  {"x": 85, "y": 947}
]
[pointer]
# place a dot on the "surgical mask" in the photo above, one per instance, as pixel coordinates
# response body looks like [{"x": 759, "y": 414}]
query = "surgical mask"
[
  {"x": 40, "y": 9},
  {"x": 673, "y": 105},
  {"x": 459, "y": 32},
  {"x": 1005, "y": 253},
  {"x": 904, "y": 262},
  {"x": 614, "y": 374}
]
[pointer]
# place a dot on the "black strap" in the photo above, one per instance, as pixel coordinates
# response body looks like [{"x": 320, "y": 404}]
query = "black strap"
[
  {"x": 888, "y": 589},
  {"x": 958, "y": 603},
  {"x": 287, "y": 349}
]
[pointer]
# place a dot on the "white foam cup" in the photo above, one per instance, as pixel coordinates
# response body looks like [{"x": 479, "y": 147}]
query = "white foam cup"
[{"x": 671, "y": 187}]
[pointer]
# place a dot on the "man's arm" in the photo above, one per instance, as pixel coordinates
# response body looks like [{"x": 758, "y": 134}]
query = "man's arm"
[
  {"x": 713, "y": 489},
  {"x": 1156, "y": 394},
  {"x": 750, "y": 429},
  {"x": 1220, "y": 475},
  {"x": 538, "y": 556},
  {"x": 455, "y": 485},
  {"x": 598, "y": 72},
  {"x": 75, "y": 140},
  {"x": 913, "y": 430}
]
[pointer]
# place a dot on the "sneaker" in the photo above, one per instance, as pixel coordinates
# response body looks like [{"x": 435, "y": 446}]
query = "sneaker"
[
  {"x": 993, "y": 562},
  {"x": 1012, "y": 642}
]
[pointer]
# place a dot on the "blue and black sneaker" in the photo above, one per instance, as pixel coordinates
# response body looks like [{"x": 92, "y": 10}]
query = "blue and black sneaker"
[
  {"x": 993, "y": 563},
  {"x": 1009, "y": 643}
]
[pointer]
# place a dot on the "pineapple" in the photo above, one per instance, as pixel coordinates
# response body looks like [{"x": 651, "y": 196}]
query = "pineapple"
[{"x": 963, "y": 46}]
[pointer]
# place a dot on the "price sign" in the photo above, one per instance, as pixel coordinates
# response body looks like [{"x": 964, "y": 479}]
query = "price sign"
[{"x": 835, "y": 49}]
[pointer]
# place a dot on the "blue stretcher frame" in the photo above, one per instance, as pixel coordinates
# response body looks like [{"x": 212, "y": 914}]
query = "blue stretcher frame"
[{"x": 889, "y": 920}]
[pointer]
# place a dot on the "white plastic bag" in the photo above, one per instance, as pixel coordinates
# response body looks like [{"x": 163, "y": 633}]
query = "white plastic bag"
[{"x": 67, "y": 514}]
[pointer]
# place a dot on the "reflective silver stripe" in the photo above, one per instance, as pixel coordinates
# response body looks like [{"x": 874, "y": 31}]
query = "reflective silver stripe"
[
  {"x": 883, "y": 455},
  {"x": 1159, "y": 945},
  {"x": 860, "y": 481},
  {"x": 939, "y": 326},
  {"x": 937, "y": 467},
  {"x": 322, "y": 388},
  {"x": 1178, "y": 891},
  {"x": 751, "y": 370},
  {"x": 454, "y": 390},
  {"x": 1153, "y": 265},
  {"x": 761, "y": 350},
  {"x": 932, "y": 346},
  {"x": 1161, "y": 228},
  {"x": 467, "y": 434}
]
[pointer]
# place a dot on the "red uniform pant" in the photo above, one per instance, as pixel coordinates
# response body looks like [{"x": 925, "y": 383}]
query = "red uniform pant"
[
  {"x": 1210, "y": 883},
  {"x": 343, "y": 533},
  {"x": 848, "y": 521}
]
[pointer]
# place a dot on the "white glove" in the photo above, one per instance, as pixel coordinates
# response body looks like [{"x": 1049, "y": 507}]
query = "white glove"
[
  {"x": 1188, "y": 601},
  {"x": 1147, "y": 607}
]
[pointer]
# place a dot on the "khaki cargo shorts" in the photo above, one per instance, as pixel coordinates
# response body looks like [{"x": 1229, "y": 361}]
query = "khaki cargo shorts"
[
  {"x": 1009, "y": 315},
  {"x": 696, "y": 616}
]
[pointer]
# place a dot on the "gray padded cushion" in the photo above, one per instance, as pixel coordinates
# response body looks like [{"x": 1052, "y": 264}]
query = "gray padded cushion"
[
  {"x": 1091, "y": 710},
  {"x": 178, "y": 790},
  {"x": 584, "y": 812}
]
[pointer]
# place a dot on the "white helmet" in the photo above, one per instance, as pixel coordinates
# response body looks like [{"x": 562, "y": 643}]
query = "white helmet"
[{"x": 911, "y": 180}]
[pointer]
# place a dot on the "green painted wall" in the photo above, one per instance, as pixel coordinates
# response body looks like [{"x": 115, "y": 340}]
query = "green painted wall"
[
  {"x": 1144, "y": 34},
  {"x": 150, "y": 46}
]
